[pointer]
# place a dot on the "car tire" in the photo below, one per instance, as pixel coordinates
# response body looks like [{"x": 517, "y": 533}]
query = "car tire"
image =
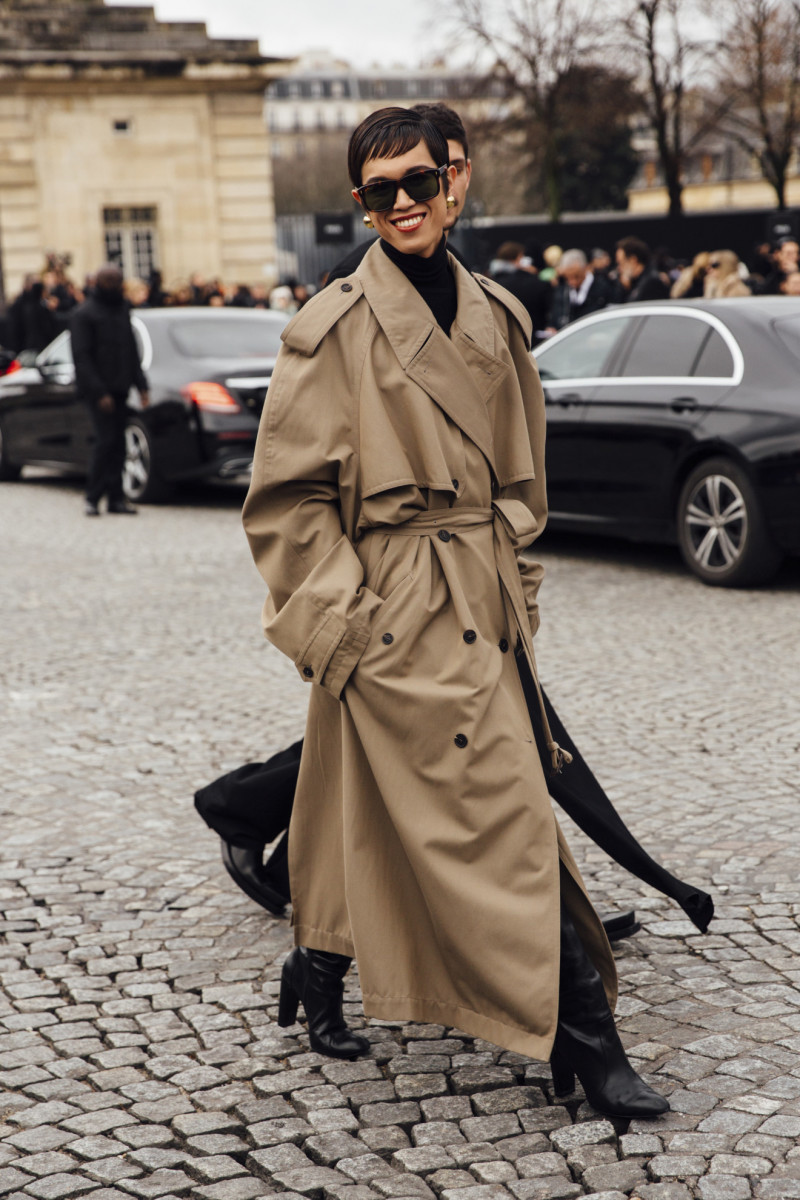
[
  {"x": 141, "y": 481},
  {"x": 722, "y": 533},
  {"x": 8, "y": 470}
]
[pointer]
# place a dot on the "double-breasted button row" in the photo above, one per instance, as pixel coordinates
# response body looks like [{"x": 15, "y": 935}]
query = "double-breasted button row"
[
  {"x": 470, "y": 636},
  {"x": 387, "y": 639},
  {"x": 444, "y": 535},
  {"x": 461, "y": 740},
  {"x": 503, "y": 644},
  {"x": 308, "y": 672}
]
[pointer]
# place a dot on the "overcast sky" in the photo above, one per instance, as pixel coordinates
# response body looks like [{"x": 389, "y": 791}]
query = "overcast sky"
[{"x": 357, "y": 30}]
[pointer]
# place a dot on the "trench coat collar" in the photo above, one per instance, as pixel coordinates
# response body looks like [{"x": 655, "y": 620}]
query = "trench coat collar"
[{"x": 461, "y": 372}]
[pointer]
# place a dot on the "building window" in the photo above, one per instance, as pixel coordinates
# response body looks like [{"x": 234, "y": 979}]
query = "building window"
[
  {"x": 337, "y": 89},
  {"x": 316, "y": 88},
  {"x": 131, "y": 239},
  {"x": 122, "y": 127}
]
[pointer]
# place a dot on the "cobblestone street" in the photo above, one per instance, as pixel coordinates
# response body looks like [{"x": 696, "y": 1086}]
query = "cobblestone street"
[{"x": 139, "y": 1051}]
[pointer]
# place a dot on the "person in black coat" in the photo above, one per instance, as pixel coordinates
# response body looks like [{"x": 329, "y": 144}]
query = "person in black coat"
[
  {"x": 107, "y": 366},
  {"x": 525, "y": 284},
  {"x": 31, "y": 324},
  {"x": 637, "y": 280},
  {"x": 579, "y": 291}
]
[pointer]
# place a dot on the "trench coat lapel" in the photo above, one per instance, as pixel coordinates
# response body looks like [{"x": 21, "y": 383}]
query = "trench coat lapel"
[{"x": 461, "y": 372}]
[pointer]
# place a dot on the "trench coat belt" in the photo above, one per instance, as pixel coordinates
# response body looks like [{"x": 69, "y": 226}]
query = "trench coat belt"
[{"x": 514, "y": 527}]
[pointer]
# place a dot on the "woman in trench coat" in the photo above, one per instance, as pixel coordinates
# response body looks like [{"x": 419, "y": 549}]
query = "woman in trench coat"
[{"x": 398, "y": 475}]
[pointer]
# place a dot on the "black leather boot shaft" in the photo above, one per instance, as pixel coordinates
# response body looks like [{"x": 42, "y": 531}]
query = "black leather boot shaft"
[
  {"x": 314, "y": 977},
  {"x": 587, "y": 1043}
]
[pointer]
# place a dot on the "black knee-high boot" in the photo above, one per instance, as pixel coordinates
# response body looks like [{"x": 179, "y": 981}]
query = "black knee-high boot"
[
  {"x": 314, "y": 977},
  {"x": 587, "y": 1043}
]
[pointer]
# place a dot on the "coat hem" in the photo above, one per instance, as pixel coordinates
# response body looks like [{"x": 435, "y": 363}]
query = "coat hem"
[
  {"x": 322, "y": 939},
  {"x": 428, "y": 1011}
]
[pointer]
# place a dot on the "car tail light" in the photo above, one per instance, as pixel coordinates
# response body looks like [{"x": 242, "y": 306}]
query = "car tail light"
[
  {"x": 211, "y": 397},
  {"x": 14, "y": 365}
]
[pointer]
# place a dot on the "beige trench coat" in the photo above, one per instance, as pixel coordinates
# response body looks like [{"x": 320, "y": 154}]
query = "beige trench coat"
[{"x": 397, "y": 476}]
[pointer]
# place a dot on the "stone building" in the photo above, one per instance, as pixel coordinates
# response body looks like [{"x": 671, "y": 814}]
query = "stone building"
[{"x": 128, "y": 138}]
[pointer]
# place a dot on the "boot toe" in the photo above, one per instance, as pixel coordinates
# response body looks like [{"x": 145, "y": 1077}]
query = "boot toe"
[{"x": 340, "y": 1044}]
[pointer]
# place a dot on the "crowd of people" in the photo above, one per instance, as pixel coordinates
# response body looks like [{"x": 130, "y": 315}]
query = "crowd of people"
[
  {"x": 43, "y": 307},
  {"x": 558, "y": 286}
]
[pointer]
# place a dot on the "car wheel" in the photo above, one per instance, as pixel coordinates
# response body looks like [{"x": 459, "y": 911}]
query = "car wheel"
[
  {"x": 721, "y": 529},
  {"x": 8, "y": 470},
  {"x": 140, "y": 479}
]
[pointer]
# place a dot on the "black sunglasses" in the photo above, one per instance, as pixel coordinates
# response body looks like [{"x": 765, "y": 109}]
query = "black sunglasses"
[{"x": 419, "y": 185}]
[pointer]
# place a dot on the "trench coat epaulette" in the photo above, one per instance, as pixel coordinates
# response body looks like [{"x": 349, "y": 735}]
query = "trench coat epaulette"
[
  {"x": 518, "y": 311},
  {"x": 306, "y": 330}
]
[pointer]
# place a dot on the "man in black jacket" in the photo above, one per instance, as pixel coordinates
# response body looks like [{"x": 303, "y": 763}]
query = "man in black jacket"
[
  {"x": 529, "y": 289},
  {"x": 579, "y": 290},
  {"x": 107, "y": 366},
  {"x": 636, "y": 279}
]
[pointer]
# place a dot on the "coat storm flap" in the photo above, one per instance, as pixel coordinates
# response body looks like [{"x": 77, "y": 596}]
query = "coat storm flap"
[{"x": 397, "y": 477}]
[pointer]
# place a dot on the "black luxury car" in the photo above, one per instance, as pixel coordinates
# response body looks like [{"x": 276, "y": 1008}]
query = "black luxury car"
[
  {"x": 679, "y": 422},
  {"x": 208, "y": 369}
]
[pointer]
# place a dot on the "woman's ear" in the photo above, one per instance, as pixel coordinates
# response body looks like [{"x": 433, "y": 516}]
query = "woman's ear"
[{"x": 356, "y": 197}]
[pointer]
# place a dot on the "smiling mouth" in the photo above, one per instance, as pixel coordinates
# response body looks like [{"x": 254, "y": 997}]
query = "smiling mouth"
[{"x": 409, "y": 224}]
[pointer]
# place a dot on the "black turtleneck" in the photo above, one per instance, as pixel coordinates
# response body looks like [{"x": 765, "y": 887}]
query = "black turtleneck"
[{"x": 432, "y": 278}]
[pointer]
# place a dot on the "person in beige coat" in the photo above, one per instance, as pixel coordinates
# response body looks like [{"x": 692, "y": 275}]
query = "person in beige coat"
[{"x": 397, "y": 478}]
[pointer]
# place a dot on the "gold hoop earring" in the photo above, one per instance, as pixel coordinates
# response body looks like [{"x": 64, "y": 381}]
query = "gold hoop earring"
[
  {"x": 368, "y": 221},
  {"x": 451, "y": 201}
]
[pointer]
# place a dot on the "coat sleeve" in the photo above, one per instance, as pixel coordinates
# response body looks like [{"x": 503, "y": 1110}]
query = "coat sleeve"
[
  {"x": 318, "y": 611},
  {"x": 90, "y": 385},
  {"x": 532, "y": 492}
]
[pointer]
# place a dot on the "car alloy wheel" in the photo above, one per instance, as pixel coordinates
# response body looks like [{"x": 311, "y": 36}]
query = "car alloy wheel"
[
  {"x": 722, "y": 533},
  {"x": 140, "y": 480},
  {"x": 716, "y": 520}
]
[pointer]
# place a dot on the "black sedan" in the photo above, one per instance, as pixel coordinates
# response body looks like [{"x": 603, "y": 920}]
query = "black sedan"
[
  {"x": 680, "y": 422},
  {"x": 208, "y": 369}
]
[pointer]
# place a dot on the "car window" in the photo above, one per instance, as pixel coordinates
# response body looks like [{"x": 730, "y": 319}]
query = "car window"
[
  {"x": 665, "y": 344},
  {"x": 715, "y": 359},
  {"x": 227, "y": 337},
  {"x": 583, "y": 352},
  {"x": 58, "y": 353}
]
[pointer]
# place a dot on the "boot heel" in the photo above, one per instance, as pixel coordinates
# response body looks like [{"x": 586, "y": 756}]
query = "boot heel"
[
  {"x": 288, "y": 1000},
  {"x": 563, "y": 1077}
]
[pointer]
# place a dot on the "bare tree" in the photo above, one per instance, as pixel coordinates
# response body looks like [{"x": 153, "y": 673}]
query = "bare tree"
[
  {"x": 760, "y": 73},
  {"x": 671, "y": 62},
  {"x": 530, "y": 47}
]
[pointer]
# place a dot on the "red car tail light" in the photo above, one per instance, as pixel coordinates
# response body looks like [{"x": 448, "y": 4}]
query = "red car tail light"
[
  {"x": 211, "y": 397},
  {"x": 14, "y": 365}
]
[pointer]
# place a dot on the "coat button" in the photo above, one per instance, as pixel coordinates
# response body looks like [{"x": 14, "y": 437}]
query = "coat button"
[
  {"x": 470, "y": 636},
  {"x": 347, "y": 287},
  {"x": 503, "y": 643},
  {"x": 460, "y": 740},
  {"x": 454, "y": 483},
  {"x": 307, "y": 671},
  {"x": 387, "y": 639},
  {"x": 444, "y": 535}
]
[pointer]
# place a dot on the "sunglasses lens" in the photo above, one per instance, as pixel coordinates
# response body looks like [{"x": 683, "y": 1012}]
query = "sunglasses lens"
[
  {"x": 378, "y": 197},
  {"x": 423, "y": 185}
]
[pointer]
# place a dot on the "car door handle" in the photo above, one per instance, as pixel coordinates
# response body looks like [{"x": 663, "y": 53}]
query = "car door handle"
[
  {"x": 682, "y": 404},
  {"x": 569, "y": 398}
]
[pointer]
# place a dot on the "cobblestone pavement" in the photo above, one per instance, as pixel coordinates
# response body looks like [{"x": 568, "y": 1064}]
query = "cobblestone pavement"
[{"x": 139, "y": 1055}]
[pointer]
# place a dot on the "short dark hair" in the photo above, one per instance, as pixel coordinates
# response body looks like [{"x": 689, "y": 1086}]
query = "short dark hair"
[
  {"x": 633, "y": 247},
  {"x": 510, "y": 251},
  {"x": 390, "y": 132},
  {"x": 446, "y": 120}
]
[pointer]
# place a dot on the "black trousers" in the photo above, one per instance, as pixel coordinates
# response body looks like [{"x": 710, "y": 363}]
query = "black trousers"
[{"x": 108, "y": 452}]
